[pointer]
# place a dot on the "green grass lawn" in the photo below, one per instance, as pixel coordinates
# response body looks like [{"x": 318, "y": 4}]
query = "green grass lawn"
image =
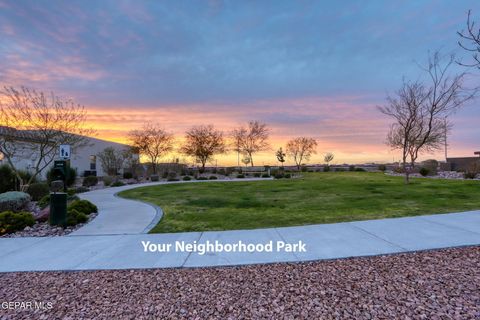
[{"x": 315, "y": 198}]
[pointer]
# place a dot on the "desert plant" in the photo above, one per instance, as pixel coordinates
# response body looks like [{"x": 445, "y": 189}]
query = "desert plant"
[
  {"x": 44, "y": 202},
  {"x": 81, "y": 189},
  {"x": 212, "y": 178},
  {"x": 8, "y": 179},
  {"x": 240, "y": 176},
  {"x": 187, "y": 178},
  {"x": 202, "y": 178},
  {"x": 107, "y": 181},
  {"x": 424, "y": 171},
  {"x": 90, "y": 181},
  {"x": 71, "y": 175},
  {"x": 75, "y": 217},
  {"x": 431, "y": 165},
  {"x": 117, "y": 184},
  {"x": 83, "y": 206},
  {"x": 14, "y": 201},
  {"x": 15, "y": 221},
  {"x": 38, "y": 190}
]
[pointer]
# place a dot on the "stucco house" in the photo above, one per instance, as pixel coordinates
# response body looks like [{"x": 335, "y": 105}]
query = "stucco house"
[{"x": 84, "y": 159}]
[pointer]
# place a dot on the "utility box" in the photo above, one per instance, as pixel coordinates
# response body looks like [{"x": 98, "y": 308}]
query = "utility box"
[
  {"x": 60, "y": 172},
  {"x": 58, "y": 209}
]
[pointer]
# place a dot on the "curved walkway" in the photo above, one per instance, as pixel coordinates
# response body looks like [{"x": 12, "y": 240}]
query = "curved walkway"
[{"x": 124, "y": 248}]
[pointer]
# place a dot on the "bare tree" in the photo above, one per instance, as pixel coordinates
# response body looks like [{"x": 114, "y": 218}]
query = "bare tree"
[
  {"x": 280, "y": 156},
  {"x": 421, "y": 111},
  {"x": 472, "y": 38},
  {"x": 251, "y": 139},
  {"x": 202, "y": 143},
  {"x": 328, "y": 158},
  {"x": 301, "y": 149},
  {"x": 152, "y": 141},
  {"x": 35, "y": 124},
  {"x": 112, "y": 160}
]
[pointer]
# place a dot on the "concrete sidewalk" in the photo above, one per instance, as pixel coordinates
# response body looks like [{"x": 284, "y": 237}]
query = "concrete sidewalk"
[{"x": 339, "y": 240}]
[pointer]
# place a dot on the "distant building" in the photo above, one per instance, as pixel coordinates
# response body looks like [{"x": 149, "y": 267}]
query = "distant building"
[
  {"x": 83, "y": 159},
  {"x": 462, "y": 163}
]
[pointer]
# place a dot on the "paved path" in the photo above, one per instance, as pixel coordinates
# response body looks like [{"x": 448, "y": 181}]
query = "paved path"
[{"x": 339, "y": 240}]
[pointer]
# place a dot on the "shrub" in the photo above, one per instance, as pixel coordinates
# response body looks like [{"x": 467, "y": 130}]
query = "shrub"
[
  {"x": 360, "y": 170},
  {"x": 172, "y": 175},
  {"x": 117, "y": 184},
  {"x": 326, "y": 169},
  {"x": 165, "y": 175},
  {"x": 44, "y": 202},
  {"x": 107, "y": 181},
  {"x": 265, "y": 175},
  {"x": 431, "y": 165},
  {"x": 240, "y": 176},
  {"x": 424, "y": 171},
  {"x": 257, "y": 174},
  {"x": 222, "y": 171},
  {"x": 398, "y": 170},
  {"x": 187, "y": 178},
  {"x": 212, "y": 178},
  {"x": 127, "y": 175},
  {"x": 469, "y": 175},
  {"x": 351, "y": 168},
  {"x": 81, "y": 189},
  {"x": 71, "y": 176},
  {"x": 154, "y": 177},
  {"x": 90, "y": 181},
  {"x": 38, "y": 190},
  {"x": 279, "y": 175},
  {"x": 15, "y": 221},
  {"x": 202, "y": 178},
  {"x": 14, "y": 201},
  {"x": 83, "y": 206},
  {"x": 287, "y": 176},
  {"x": 8, "y": 180},
  {"x": 382, "y": 167},
  {"x": 75, "y": 217},
  {"x": 304, "y": 169},
  {"x": 173, "y": 179}
]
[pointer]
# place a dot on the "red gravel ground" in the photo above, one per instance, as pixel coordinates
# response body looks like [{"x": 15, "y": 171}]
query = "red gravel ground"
[{"x": 443, "y": 284}]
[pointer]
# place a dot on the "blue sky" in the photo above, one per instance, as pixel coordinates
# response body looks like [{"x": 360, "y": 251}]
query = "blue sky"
[{"x": 316, "y": 68}]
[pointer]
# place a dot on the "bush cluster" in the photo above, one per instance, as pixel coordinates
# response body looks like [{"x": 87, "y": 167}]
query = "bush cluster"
[
  {"x": 265, "y": 175},
  {"x": 127, "y": 175},
  {"x": 240, "y": 176},
  {"x": 212, "y": 178},
  {"x": 202, "y": 178},
  {"x": 90, "y": 181},
  {"x": 83, "y": 206},
  {"x": 117, "y": 184},
  {"x": 38, "y": 190},
  {"x": 75, "y": 217},
  {"x": 44, "y": 202},
  {"x": 424, "y": 171},
  {"x": 15, "y": 221},
  {"x": 70, "y": 179},
  {"x": 107, "y": 181},
  {"x": 187, "y": 178},
  {"x": 14, "y": 201}
]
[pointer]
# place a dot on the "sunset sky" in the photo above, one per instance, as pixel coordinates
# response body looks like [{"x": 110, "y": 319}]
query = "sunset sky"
[{"x": 306, "y": 68}]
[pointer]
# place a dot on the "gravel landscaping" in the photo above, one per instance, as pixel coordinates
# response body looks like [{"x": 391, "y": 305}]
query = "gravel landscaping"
[
  {"x": 44, "y": 229},
  {"x": 443, "y": 284}
]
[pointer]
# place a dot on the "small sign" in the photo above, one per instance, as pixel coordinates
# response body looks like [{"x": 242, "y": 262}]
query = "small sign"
[{"x": 64, "y": 151}]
